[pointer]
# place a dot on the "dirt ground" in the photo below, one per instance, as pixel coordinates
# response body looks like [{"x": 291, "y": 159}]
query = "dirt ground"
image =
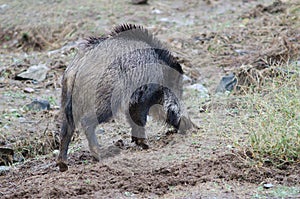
[{"x": 211, "y": 38}]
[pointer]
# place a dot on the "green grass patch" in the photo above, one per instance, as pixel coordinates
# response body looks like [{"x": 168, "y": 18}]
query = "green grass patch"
[{"x": 272, "y": 121}]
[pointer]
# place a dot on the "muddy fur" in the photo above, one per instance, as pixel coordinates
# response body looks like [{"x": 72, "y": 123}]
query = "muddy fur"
[{"x": 127, "y": 71}]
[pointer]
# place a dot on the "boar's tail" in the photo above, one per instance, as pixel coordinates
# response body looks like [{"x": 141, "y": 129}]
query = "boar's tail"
[
  {"x": 66, "y": 102},
  {"x": 68, "y": 111}
]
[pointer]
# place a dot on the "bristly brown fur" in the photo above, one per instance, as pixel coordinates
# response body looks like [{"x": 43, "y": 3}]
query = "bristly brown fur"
[
  {"x": 170, "y": 60},
  {"x": 125, "y": 27},
  {"x": 92, "y": 41},
  {"x": 161, "y": 51}
]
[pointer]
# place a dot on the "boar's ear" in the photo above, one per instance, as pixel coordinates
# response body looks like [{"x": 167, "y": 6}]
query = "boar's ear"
[{"x": 186, "y": 124}]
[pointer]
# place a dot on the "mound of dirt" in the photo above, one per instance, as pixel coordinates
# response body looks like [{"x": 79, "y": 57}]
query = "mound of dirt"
[{"x": 111, "y": 179}]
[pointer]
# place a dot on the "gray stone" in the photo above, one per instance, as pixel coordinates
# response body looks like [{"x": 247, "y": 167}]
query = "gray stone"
[
  {"x": 227, "y": 83},
  {"x": 55, "y": 153},
  {"x": 38, "y": 105},
  {"x": 268, "y": 186},
  {"x": 18, "y": 157},
  {"x": 4, "y": 169},
  {"x": 36, "y": 72},
  {"x": 28, "y": 90},
  {"x": 241, "y": 52}
]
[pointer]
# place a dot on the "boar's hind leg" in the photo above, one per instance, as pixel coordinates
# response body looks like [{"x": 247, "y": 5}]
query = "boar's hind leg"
[
  {"x": 66, "y": 134},
  {"x": 89, "y": 124}
]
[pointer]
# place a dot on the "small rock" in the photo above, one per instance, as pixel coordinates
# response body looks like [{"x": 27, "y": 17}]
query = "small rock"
[
  {"x": 22, "y": 119},
  {"x": 55, "y": 153},
  {"x": 156, "y": 11},
  {"x": 128, "y": 194},
  {"x": 36, "y": 72},
  {"x": 13, "y": 110},
  {"x": 100, "y": 130},
  {"x": 28, "y": 90},
  {"x": 268, "y": 186},
  {"x": 18, "y": 157},
  {"x": 164, "y": 19},
  {"x": 241, "y": 52},
  {"x": 136, "y": 2},
  {"x": 203, "y": 92},
  {"x": 4, "y": 169},
  {"x": 297, "y": 63},
  {"x": 3, "y": 7},
  {"x": 38, "y": 105},
  {"x": 227, "y": 83}
]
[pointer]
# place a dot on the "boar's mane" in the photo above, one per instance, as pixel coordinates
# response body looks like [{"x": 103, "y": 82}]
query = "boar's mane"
[{"x": 139, "y": 33}]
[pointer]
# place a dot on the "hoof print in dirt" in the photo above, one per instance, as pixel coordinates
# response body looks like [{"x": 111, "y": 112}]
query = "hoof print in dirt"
[{"x": 38, "y": 105}]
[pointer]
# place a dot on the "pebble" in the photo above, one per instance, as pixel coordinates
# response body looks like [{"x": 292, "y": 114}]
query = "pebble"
[
  {"x": 156, "y": 11},
  {"x": 38, "y": 105},
  {"x": 28, "y": 90},
  {"x": 36, "y": 72},
  {"x": 4, "y": 169},
  {"x": 55, "y": 153},
  {"x": 227, "y": 83},
  {"x": 268, "y": 186}
]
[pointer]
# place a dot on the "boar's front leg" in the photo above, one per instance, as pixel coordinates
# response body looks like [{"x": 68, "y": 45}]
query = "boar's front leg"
[
  {"x": 140, "y": 102},
  {"x": 137, "y": 119}
]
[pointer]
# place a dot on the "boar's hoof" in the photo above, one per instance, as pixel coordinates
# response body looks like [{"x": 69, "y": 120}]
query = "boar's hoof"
[
  {"x": 62, "y": 166},
  {"x": 140, "y": 142}
]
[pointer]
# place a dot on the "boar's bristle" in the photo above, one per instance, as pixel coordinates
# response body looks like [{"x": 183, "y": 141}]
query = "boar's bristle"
[
  {"x": 126, "y": 27},
  {"x": 92, "y": 41},
  {"x": 140, "y": 32},
  {"x": 169, "y": 59}
]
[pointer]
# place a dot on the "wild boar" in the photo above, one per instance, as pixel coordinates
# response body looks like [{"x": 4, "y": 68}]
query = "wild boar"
[{"x": 127, "y": 71}]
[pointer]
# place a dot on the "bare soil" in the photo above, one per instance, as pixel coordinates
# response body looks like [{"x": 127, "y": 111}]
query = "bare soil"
[{"x": 210, "y": 38}]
